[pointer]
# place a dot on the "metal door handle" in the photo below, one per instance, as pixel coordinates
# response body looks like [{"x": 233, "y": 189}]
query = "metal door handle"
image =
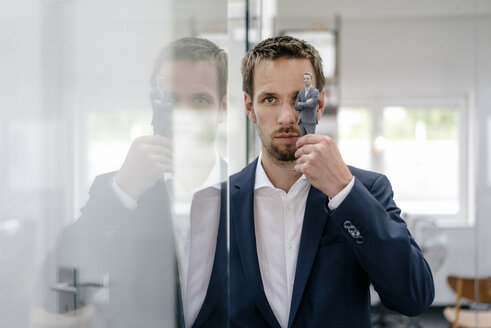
[{"x": 69, "y": 289}]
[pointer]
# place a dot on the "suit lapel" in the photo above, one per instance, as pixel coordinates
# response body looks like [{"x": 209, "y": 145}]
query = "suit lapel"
[
  {"x": 315, "y": 219},
  {"x": 242, "y": 215}
]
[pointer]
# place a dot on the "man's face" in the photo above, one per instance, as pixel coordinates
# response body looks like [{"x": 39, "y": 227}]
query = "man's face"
[
  {"x": 196, "y": 103},
  {"x": 193, "y": 85},
  {"x": 307, "y": 80},
  {"x": 276, "y": 85},
  {"x": 197, "y": 109}
]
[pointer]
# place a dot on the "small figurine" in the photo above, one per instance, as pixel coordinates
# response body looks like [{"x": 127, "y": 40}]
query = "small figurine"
[
  {"x": 162, "y": 110},
  {"x": 306, "y": 104}
]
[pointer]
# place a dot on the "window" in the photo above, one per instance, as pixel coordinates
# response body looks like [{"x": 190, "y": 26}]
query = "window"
[{"x": 423, "y": 149}]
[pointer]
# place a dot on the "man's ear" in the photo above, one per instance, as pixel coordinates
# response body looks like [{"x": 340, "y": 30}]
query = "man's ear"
[
  {"x": 321, "y": 102},
  {"x": 222, "y": 112},
  {"x": 248, "y": 108}
]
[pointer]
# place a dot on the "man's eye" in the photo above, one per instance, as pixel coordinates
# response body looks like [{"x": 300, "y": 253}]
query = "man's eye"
[
  {"x": 269, "y": 100},
  {"x": 201, "y": 100}
]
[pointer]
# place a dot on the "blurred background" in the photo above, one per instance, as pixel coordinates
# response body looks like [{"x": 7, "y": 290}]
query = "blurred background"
[{"x": 408, "y": 95}]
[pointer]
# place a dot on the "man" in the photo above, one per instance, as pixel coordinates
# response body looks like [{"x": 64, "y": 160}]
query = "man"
[
  {"x": 308, "y": 234},
  {"x": 158, "y": 210},
  {"x": 306, "y": 104}
]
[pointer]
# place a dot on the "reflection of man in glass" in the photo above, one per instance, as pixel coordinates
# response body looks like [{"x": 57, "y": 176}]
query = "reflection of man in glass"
[
  {"x": 306, "y": 104},
  {"x": 194, "y": 83},
  {"x": 161, "y": 216},
  {"x": 191, "y": 79}
]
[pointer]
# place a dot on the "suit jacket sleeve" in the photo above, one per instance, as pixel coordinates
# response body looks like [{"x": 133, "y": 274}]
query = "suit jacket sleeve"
[
  {"x": 388, "y": 253},
  {"x": 298, "y": 102}
]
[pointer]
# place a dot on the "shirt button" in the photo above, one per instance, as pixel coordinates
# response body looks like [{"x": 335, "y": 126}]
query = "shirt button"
[{"x": 290, "y": 247}]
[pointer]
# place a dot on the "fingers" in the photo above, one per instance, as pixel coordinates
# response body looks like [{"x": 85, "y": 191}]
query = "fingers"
[
  {"x": 305, "y": 149},
  {"x": 311, "y": 139},
  {"x": 153, "y": 144},
  {"x": 158, "y": 150},
  {"x": 312, "y": 149},
  {"x": 156, "y": 140}
]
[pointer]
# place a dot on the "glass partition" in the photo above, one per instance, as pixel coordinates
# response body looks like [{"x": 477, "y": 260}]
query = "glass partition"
[
  {"x": 114, "y": 158},
  {"x": 118, "y": 133}
]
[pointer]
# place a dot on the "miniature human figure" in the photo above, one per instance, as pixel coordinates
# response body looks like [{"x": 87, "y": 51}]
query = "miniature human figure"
[
  {"x": 306, "y": 104},
  {"x": 162, "y": 109}
]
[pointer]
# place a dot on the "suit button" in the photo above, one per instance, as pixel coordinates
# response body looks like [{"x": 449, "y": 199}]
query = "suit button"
[
  {"x": 360, "y": 240},
  {"x": 351, "y": 229},
  {"x": 346, "y": 224},
  {"x": 355, "y": 234}
]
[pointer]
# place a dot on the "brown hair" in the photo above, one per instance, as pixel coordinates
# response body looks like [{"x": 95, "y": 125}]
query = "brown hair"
[
  {"x": 276, "y": 48},
  {"x": 194, "y": 49}
]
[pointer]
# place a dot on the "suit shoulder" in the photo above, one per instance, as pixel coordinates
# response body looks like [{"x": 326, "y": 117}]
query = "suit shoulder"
[
  {"x": 366, "y": 177},
  {"x": 101, "y": 182},
  {"x": 247, "y": 173}
]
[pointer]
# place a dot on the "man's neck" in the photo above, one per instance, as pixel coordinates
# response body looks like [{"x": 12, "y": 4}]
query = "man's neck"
[{"x": 281, "y": 174}]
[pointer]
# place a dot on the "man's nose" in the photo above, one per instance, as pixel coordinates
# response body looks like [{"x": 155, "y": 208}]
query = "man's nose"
[{"x": 287, "y": 114}]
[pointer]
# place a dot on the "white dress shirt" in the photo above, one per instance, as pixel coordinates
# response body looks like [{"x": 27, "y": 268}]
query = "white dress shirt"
[
  {"x": 278, "y": 220},
  {"x": 195, "y": 219}
]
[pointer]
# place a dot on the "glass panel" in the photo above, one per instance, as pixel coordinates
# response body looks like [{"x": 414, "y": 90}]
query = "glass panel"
[{"x": 113, "y": 157}]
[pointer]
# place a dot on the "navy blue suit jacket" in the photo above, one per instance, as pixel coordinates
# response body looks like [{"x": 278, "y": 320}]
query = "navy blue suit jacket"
[{"x": 334, "y": 270}]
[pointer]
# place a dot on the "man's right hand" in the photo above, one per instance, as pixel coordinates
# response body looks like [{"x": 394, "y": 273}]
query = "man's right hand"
[{"x": 147, "y": 159}]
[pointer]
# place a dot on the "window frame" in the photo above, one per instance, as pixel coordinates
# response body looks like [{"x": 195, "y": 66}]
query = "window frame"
[{"x": 463, "y": 103}]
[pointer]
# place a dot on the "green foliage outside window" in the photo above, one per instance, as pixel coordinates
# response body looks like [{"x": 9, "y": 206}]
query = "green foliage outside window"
[{"x": 439, "y": 124}]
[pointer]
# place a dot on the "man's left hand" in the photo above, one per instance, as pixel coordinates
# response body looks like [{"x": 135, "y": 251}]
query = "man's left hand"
[{"x": 318, "y": 158}]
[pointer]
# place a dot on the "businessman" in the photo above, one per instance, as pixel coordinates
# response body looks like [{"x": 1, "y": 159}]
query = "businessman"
[
  {"x": 306, "y": 104},
  {"x": 162, "y": 216},
  {"x": 309, "y": 234}
]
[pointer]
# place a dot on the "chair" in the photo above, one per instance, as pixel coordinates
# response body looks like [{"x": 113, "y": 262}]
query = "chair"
[{"x": 476, "y": 290}]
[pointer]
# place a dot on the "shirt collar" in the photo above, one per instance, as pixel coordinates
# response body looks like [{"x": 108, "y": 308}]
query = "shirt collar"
[
  {"x": 215, "y": 177},
  {"x": 262, "y": 179}
]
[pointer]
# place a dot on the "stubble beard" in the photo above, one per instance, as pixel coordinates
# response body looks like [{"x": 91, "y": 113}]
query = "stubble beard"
[{"x": 281, "y": 156}]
